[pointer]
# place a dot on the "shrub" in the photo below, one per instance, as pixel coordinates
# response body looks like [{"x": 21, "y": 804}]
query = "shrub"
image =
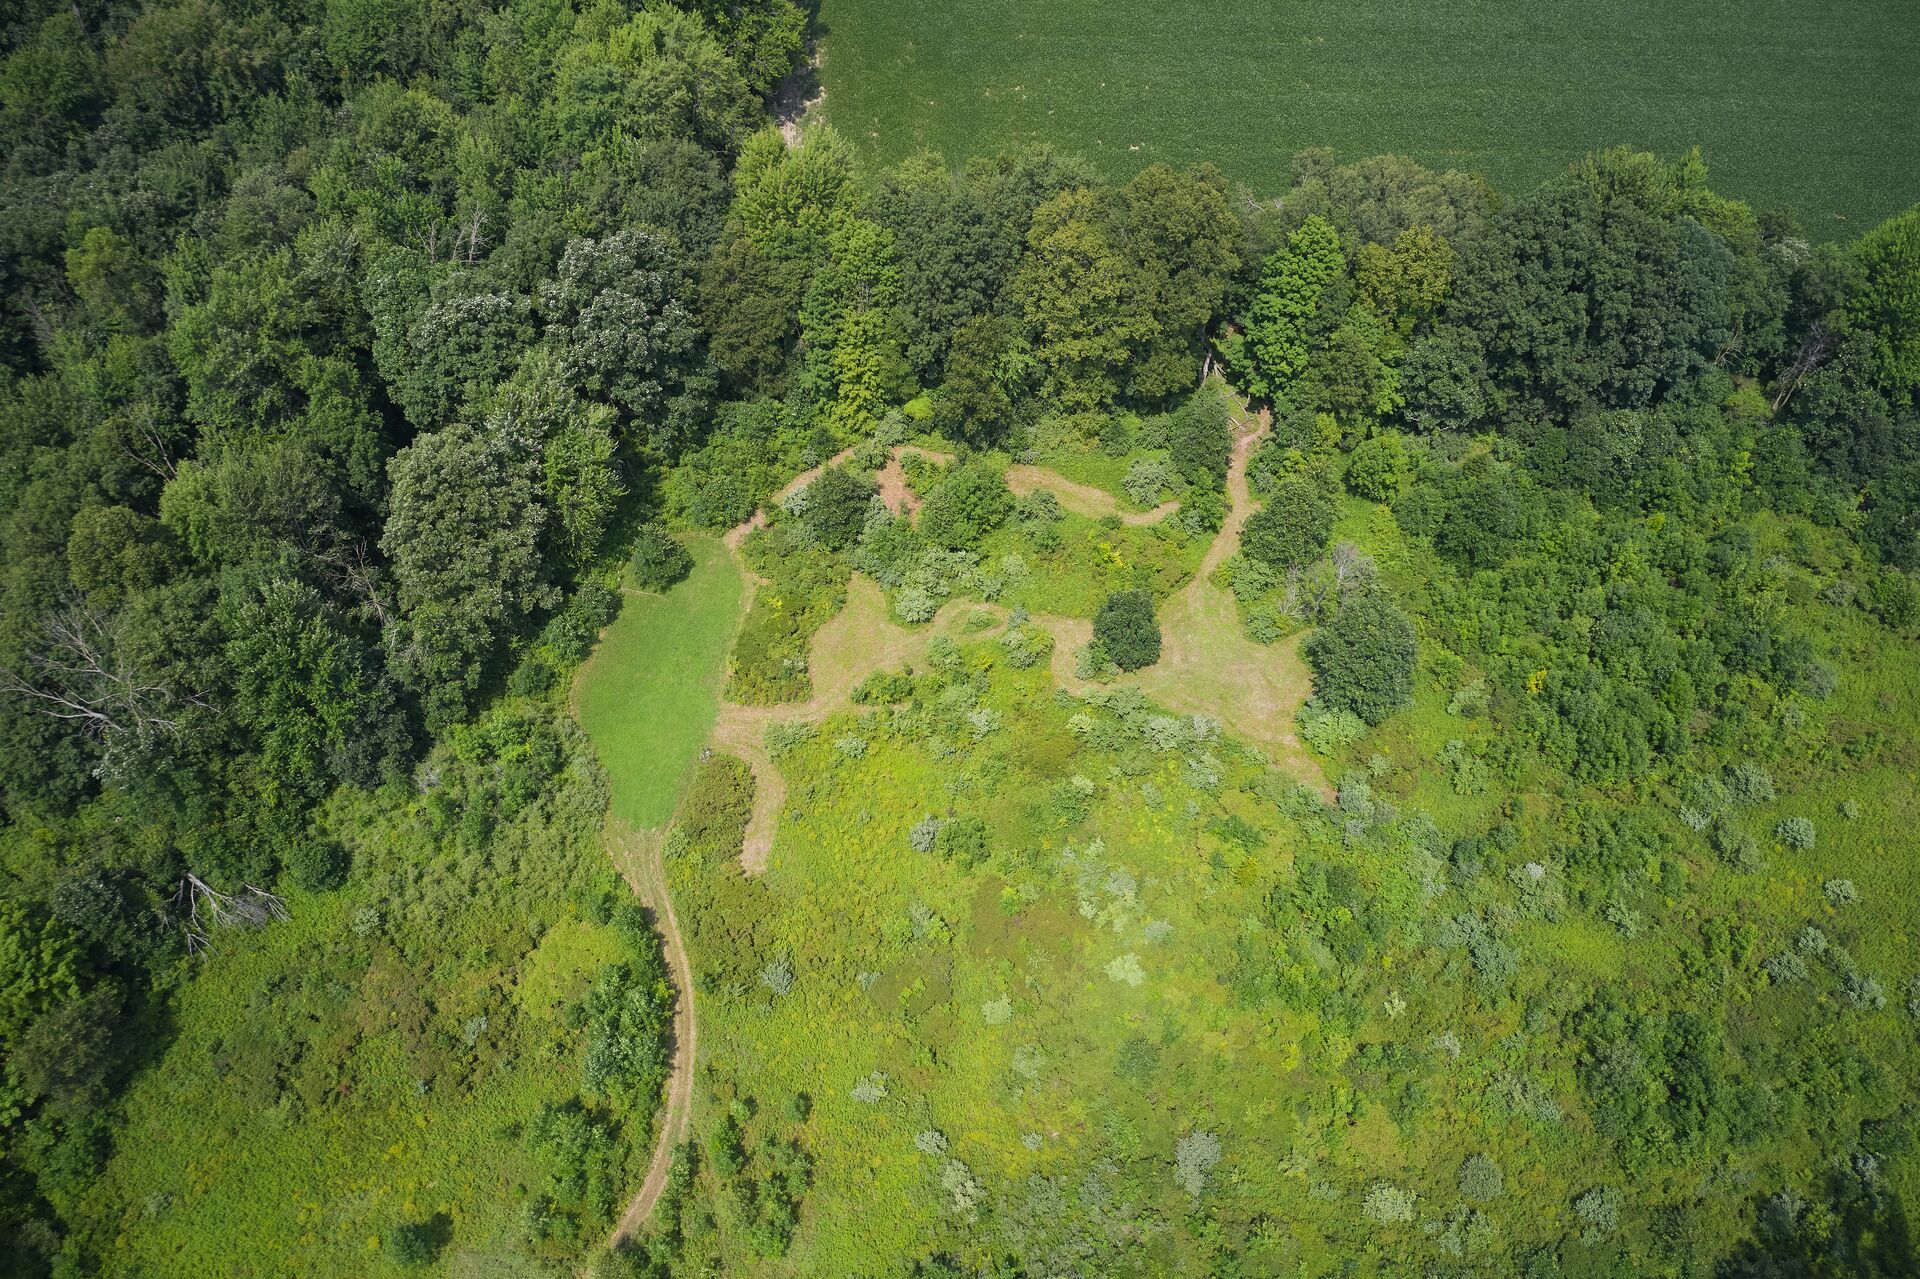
[
  {"x": 409, "y": 1244},
  {"x": 969, "y": 501},
  {"x": 962, "y": 841},
  {"x": 923, "y": 833},
  {"x": 778, "y": 977},
  {"x": 1293, "y": 528},
  {"x": 1388, "y": 1204},
  {"x": 1749, "y": 783},
  {"x": 1363, "y": 659},
  {"x": 1598, "y": 1210},
  {"x": 1328, "y": 730},
  {"x": 1194, "y": 1156},
  {"x": 1480, "y": 1178},
  {"x": 1796, "y": 833},
  {"x": 1146, "y": 480},
  {"x": 658, "y": 560},
  {"x": 1125, "y": 627},
  {"x": 318, "y": 866},
  {"x": 836, "y": 507},
  {"x": 1841, "y": 892},
  {"x": 1378, "y": 468}
]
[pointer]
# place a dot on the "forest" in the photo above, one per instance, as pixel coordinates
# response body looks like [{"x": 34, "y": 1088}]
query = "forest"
[{"x": 1364, "y": 725}]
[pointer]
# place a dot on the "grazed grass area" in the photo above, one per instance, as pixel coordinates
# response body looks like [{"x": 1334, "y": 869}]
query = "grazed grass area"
[
  {"x": 649, "y": 694},
  {"x": 1803, "y": 105}
]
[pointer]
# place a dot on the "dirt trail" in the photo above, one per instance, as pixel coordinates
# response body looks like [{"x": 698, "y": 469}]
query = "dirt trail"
[
  {"x": 797, "y": 95},
  {"x": 1081, "y": 499},
  {"x": 738, "y": 533},
  {"x": 860, "y": 639},
  {"x": 1207, "y": 666},
  {"x": 636, "y": 854}
]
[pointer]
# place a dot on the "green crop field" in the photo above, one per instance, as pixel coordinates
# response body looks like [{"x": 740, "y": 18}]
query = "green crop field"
[{"x": 1805, "y": 106}]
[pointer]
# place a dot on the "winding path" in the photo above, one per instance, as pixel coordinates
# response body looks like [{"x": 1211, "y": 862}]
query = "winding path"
[
  {"x": 1081, "y": 499},
  {"x": 1207, "y": 666},
  {"x": 637, "y": 855}
]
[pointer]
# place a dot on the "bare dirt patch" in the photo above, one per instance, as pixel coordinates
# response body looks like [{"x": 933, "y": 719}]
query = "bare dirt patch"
[{"x": 1082, "y": 499}]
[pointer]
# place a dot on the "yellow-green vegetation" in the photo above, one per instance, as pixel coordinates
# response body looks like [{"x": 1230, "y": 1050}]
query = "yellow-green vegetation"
[
  {"x": 403, "y": 1057},
  {"x": 1056, "y": 976},
  {"x": 649, "y": 695}
]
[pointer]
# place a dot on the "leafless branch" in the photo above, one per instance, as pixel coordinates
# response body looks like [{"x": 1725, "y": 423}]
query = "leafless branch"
[
  {"x": 1814, "y": 350},
  {"x": 79, "y": 672}
]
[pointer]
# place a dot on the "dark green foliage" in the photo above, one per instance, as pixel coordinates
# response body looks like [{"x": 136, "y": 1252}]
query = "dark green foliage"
[
  {"x": 836, "y": 507},
  {"x": 962, "y": 841},
  {"x": 1126, "y": 628},
  {"x": 975, "y": 407},
  {"x": 1609, "y": 288},
  {"x": 1363, "y": 658},
  {"x": 318, "y": 865},
  {"x": 1292, "y": 527},
  {"x": 409, "y": 1243},
  {"x": 659, "y": 560},
  {"x": 1199, "y": 437},
  {"x": 969, "y": 500}
]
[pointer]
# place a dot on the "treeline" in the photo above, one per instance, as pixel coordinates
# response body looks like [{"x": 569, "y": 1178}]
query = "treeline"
[{"x": 347, "y": 345}]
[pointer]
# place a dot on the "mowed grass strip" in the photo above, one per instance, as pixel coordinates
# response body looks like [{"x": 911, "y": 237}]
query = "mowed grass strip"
[
  {"x": 649, "y": 694},
  {"x": 1804, "y": 106}
]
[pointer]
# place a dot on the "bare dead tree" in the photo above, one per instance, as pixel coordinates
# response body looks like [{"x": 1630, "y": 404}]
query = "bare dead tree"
[
  {"x": 1815, "y": 349},
  {"x": 79, "y": 673},
  {"x": 206, "y": 908},
  {"x": 1350, "y": 567},
  {"x": 150, "y": 449},
  {"x": 473, "y": 237},
  {"x": 345, "y": 565}
]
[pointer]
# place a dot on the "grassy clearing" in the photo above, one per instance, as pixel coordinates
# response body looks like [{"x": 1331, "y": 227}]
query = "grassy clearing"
[
  {"x": 649, "y": 695},
  {"x": 382, "y": 1056},
  {"x": 1798, "y": 105}
]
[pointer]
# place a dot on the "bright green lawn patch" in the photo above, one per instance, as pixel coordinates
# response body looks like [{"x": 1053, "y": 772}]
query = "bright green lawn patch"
[
  {"x": 1804, "y": 105},
  {"x": 649, "y": 694}
]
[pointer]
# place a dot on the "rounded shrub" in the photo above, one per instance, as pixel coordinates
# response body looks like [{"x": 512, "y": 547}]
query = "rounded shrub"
[
  {"x": 1796, "y": 833},
  {"x": 1293, "y": 528},
  {"x": 409, "y": 1244},
  {"x": 1480, "y": 1178},
  {"x": 1126, "y": 628},
  {"x": 1363, "y": 659},
  {"x": 836, "y": 508},
  {"x": 658, "y": 560},
  {"x": 1378, "y": 468},
  {"x": 318, "y": 866}
]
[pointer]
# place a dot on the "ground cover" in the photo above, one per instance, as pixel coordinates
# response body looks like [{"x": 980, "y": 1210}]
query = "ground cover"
[
  {"x": 1791, "y": 105},
  {"x": 400, "y": 1054},
  {"x": 649, "y": 694}
]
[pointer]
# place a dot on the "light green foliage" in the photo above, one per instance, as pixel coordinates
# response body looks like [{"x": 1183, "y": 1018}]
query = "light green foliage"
[
  {"x": 1378, "y": 468},
  {"x": 1888, "y": 301},
  {"x": 969, "y": 501},
  {"x": 649, "y": 696},
  {"x": 1286, "y": 322}
]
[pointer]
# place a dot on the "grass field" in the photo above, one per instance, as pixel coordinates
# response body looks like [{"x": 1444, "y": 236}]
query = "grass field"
[
  {"x": 649, "y": 695},
  {"x": 1807, "y": 106}
]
